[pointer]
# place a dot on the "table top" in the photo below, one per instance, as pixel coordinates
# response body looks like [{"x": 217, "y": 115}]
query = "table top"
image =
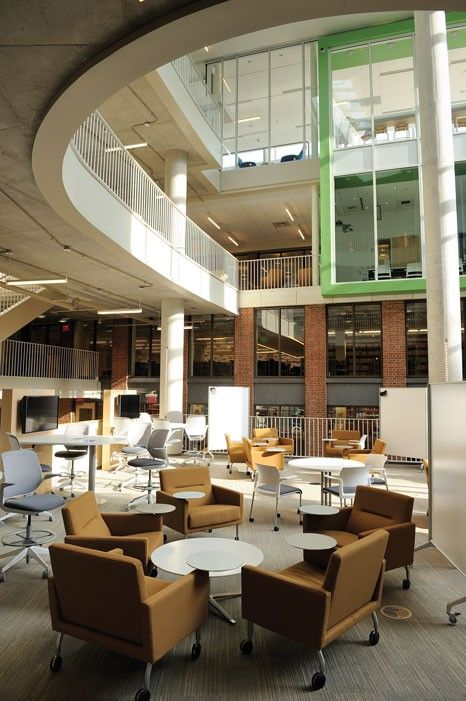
[
  {"x": 59, "y": 439},
  {"x": 323, "y": 464},
  {"x": 311, "y": 541},
  {"x": 189, "y": 495},
  {"x": 154, "y": 508},
  {"x": 318, "y": 509},
  {"x": 172, "y": 557},
  {"x": 214, "y": 560}
]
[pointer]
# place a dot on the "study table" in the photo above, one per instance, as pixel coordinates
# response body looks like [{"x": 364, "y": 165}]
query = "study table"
[
  {"x": 326, "y": 466},
  {"x": 90, "y": 442}
]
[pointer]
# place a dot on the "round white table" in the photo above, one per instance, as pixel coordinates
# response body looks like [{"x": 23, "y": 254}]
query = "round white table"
[
  {"x": 189, "y": 495},
  {"x": 173, "y": 558},
  {"x": 318, "y": 509},
  {"x": 325, "y": 466},
  {"x": 311, "y": 541},
  {"x": 155, "y": 508}
]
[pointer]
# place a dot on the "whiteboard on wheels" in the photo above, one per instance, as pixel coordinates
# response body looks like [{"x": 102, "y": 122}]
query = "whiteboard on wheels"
[{"x": 228, "y": 412}]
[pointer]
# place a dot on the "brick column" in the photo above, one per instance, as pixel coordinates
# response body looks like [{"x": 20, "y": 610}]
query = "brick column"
[
  {"x": 394, "y": 344},
  {"x": 120, "y": 354},
  {"x": 315, "y": 360},
  {"x": 65, "y": 411},
  {"x": 245, "y": 353}
]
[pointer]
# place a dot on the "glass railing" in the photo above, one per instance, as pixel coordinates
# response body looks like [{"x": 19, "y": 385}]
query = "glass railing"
[{"x": 197, "y": 88}]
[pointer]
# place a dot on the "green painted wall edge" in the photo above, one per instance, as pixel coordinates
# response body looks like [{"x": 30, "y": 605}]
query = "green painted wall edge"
[{"x": 398, "y": 286}]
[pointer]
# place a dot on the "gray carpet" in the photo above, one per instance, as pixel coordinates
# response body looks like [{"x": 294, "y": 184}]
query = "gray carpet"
[{"x": 422, "y": 658}]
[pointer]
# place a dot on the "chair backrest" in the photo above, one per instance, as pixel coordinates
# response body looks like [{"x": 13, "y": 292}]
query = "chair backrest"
[
  {"x": 22, "y": 469},
  {"x": 183, "y": 479},
  {"x": 267, "y": 476},
  {"x": 352, "y": 575},
  {"x": 158, "y": 441},
  {"x": 196, "y": 426},
  {"x": 379, "y": 446},
  {"x": 228, "y": 442},
  {"x": 139, "y": 433},
  {"x": 145, "y": 417},
  {"x": 102, "y": 591},
  {"x": 175, "y": 417},
  {"x": 354, "y": 476},
  {"x": 81, "y": 516},
  {"x": 345, "y": 435},
  {"x": 247, "y": 445},
  {"x": 413, "y": 269},
  {"x": 362, "y": 441},
  {"x": 378, "y": 508},
  {"x": 13, "y": 441},
  {"x": 75, "y": 431},
  {"x": 385, "y": 271},
  {"x": 376, "y": 461},
  {"x": 270, "y": 432}
]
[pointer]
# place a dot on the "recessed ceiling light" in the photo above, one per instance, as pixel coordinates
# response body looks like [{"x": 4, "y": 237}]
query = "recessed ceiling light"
[
  {"x": 214, "y": 223},
  {"x": 206, "y": 48},
  {"x": 230, "y": 238},
  {"x": 132, "y": 310},
  {"x": 301, "y": 234},
  {"x": 51, "y": 281},
  {"x": 289, "y": 213},
  {"x": 248, "y": 119}
]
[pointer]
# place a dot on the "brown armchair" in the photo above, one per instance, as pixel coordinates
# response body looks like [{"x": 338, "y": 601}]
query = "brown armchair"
[
  {"x": 338, "y": 443},
  {"x": 235, "y": 452},
  {"x": 361, "y": 454},
  {"x": 104, "y": 598},
  {"x": 137, "y": 534},
  {"x": 219, "y": 508},
  {"x": 313, "y": 606},
  {"x": 372, "y": 510},
  {"x": 271, "y": 434},
  {"x": 257, "y": 454}
]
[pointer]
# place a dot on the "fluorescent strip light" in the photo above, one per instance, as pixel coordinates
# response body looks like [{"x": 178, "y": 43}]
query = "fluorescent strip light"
[
  {"x": 187, "y": 327},
  {"x": 214, "y": 223},
  {"x": 206, "y": 48},
  {"x": 135, "y": 310},
  {"x": 248, "y": 119},
  {"x": 230, "y": 238},
  {"x": 289, "y": 213},
  {"x": 52, "y": 281},
  {"x": 226, "y": 85},
  {"x": 301, "y": 234},
  {"x": 139, "y": 145}
]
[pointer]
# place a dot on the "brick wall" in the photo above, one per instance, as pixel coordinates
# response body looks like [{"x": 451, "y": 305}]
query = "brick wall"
[
  {"x": 394, "y": 344},
  {"x": 66, "y": 411},
  {"x": 120, "y": 354},
  {"x": 315, "y": 360},
  {"x": 244, "y": 352}
]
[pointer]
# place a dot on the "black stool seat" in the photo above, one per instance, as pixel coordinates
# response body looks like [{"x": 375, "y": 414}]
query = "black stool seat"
[
  {"x": 147, "y": 463},
  {"x": 70, "y": 454}
]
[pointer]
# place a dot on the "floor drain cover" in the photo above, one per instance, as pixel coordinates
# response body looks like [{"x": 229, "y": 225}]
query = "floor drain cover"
[{"x": 399, "y": 612}]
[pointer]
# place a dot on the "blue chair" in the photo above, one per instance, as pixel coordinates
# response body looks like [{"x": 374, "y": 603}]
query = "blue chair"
[{"x": 245, "y": 164}]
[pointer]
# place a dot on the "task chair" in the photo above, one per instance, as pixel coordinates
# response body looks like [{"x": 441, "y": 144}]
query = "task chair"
[
  {"x": 235, "y": 451},
  {"x": 22, "y": 476},
  {"x": 347, "y": 482},
  {"x": 104, "y": 598},
  {"x": 377, "y": 471},
  {"x": 268, "y": 483},
  {"x": 314, "y": 606},
  {"x": 219, "y": 508},
  {"x": 157, "y": 449},
  {"x": 372, "y": 510},
  {"x": 72, "y": 452},
  {"x": 138, "y": 435},
  {"x": 138, "y": 535},
  {"x": 196, "y": 431}
]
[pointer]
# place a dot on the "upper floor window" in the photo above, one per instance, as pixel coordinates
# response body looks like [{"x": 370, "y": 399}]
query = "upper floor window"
[
  {"x": 456, "y": 38},
  {"x": 280, "y": 342},
  {"x": 354, "y": 340},
  {"x": 146, "y": 351},
  {"x": 416, "y": 339},
  {"x": 212, "y": 346}
]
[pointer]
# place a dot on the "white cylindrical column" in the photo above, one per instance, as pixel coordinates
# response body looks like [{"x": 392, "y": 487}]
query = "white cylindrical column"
[
  {"x": 176, "y": 187},
  {"x": 171, "y": 356},
  {"x": 315, "y": 218},
  {"x": 439, "y": 198}
]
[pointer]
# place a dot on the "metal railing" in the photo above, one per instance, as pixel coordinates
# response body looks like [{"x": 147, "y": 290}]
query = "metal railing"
[
  {"x": 21, "y": 359},
  {"x": 9, "y": 299},
  {"x": 275, "y": 273},
  {"x": 105, "y": 156},
  {"x": 196, "y": 86}
]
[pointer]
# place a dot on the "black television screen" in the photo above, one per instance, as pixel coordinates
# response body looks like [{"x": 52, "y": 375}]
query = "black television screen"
[
  {"x": 39, "y": 413},
  {"x": 129, "y": 405}
]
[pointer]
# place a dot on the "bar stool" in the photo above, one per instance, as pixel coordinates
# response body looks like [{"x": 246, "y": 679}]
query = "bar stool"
[
  {"x": 72, "y": 452},
  {"x": 157, "y": 450}
]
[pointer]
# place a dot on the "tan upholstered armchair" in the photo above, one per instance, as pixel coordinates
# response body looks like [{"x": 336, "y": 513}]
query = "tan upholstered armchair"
[
  {"x": 372, "y": 509},
  {"x": 315, "y": 606},
  {"x": 235, "y": 452},
  {"x": 361, "y": 455},
  {"x": 259, "y": 455},
  {"x": 219, "y": 508},
  {"x": 104, "y": 598},
  {"x": 137, "y": 534},
  {"x": 271, "y": 434},
  {"x": 338, "y": 444}
]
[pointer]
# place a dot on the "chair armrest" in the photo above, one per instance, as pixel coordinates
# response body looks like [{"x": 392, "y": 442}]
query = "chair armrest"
[
  {"x": 400, "y": 546},
  {"x": 174, "y": 612},
  {"x": 127, "y": 524},
  {"x": 223, "y": 495},
  {"x": 178, "y": 519},
  {"x": 354, "y": 452},
  {"x": 133, "y": 547},
  {"x": 333, "y": 522},
  {"x": 3, "y": 486},
  {"x": 284, "y": 605},
  {"x": 285, "y": 441}
]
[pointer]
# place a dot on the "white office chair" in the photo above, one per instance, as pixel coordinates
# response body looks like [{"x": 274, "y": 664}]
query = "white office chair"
[
  {"x": 157, "y": 449},
  {"x": 71, "y": 453},
  {"x": 138, "y": 435},
  {"x": 384, "y": 271},
  {"x": 414, "y": 270},
  {"x": 196, "y": 430},
  {"x": 268, "y": 481},
  {"x": 347, "y": 481},
  {"x": 377, "y": 472},
  {"x": 22, "y": 476}
]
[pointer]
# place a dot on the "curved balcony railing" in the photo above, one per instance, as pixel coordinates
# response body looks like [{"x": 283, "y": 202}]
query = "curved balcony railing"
[
  {"x": 104, "y": 154},
  {"x": 197, "y": 88},
  {"x": 275, "y": 273}
]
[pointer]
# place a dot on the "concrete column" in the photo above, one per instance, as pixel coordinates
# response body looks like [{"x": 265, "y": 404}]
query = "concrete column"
[
  {"x": 176, "y": 187},
  {"x": 171, "y": 356},
  {"x": 439, "y": 197},
  {"x": 315, "y": 218}
]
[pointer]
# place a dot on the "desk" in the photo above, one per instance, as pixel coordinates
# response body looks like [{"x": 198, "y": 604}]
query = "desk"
[
  {"x": 325, "y": 466},
  {"x": 173, "y": 558},
  {"x": 86, "y": 441}
]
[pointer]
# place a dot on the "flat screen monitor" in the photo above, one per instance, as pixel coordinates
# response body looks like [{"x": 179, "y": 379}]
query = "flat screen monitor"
[
  {"x": 129, "y": 405},
  {"x": 39, "y": 413}
]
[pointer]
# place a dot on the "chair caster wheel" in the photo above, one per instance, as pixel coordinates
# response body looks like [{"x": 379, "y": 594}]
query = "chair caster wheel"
[
  {"x": 154, "y": 572},
  {"x": 276, "y": 528},
  {"x": 50, "y": 518},
  {"x": 195, "y": 651},
  {"x": 406, "y": 584},
  {"x": 251, "y": 520},
  {"x": 165, "y": 537},
  {"x": 374, "y": 637},
  {"x": 2, "y": 577},
  {"x": 72, "y": 495},
  {"x": 45, "y": 574},
  {"x": 318, "y": 681},
  {"x": 246, "y": 646},
  {"x": 278, "y": 515},
  {"x": 453, "y": 618},
  {"x": 55, "y": 663},
  {"x": 142, "y": 695}
]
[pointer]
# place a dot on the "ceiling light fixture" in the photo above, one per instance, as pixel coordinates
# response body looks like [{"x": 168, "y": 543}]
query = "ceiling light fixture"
[
  {"x": 206, "y": 48},
  {"x": 230, "y": 238},
  {"x": 187, "y": 327},
  {"x": 248, "y": 119},
  {"x": 134, "y": 310},
  {"x": 214, "y": 223},
  {"x": 129, "y": 147},
  {"x": 51, "y": 281},
  {"x": 289, "y": 213},
  {"x": 301, "y": 234}
]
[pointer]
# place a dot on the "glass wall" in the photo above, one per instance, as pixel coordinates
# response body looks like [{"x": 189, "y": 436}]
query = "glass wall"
[
  {"x": 460, "y": 177},
  {"x": 416, "y": 339},
  {"x": 457, "y": 59},
  {"x": 354, "y": 227},
  {"x": 280, "y": 342},
  {"x": 146, "y": 351},
  {"x": 212, "y": 350},
  {"x": 354, "y": 340}
]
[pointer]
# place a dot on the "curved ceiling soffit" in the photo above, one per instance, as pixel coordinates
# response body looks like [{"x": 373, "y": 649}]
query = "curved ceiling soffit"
[{"x": 156, "y": 44}]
